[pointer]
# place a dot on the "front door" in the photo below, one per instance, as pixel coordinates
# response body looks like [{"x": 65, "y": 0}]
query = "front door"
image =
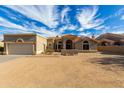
[{"x": 69, "y": 44}]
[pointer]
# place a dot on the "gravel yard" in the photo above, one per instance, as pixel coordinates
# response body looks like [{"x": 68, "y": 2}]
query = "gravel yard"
[{"x": 82, "y": 70}]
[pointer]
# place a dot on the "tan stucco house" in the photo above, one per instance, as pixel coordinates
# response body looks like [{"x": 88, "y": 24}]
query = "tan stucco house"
[
  {"x": 71, "y": 42},
  {"x": 1, "y": 44},
  {"x": 110, "y": 39},
  {"x": 29, "y": 44},
  {"x": 24, "y": 44}
]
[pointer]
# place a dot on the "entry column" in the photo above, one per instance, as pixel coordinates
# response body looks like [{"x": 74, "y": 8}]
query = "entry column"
[
  {"x": 6, "y": 48},
  {"x": 57, "y": 45},
  {"x": 33, "y": 49},
  {"x": 64, "y": 44}
]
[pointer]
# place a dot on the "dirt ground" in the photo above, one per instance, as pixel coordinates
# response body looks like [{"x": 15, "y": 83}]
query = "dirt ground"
[{"x": 80, "y": 71}]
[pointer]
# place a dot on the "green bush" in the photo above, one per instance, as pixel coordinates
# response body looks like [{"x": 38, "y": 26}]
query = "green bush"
[{"x": 49, "y": 51}]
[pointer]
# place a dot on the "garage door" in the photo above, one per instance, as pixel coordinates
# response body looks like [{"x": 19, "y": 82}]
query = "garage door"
[{"x": 20, "y": 49}]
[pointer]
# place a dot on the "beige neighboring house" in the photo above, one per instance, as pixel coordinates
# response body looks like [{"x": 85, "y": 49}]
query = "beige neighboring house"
[
  {"x": 110, "y": 39},
  {"x": 1, "y": 44},
  {"x": 24, "y": 44}
]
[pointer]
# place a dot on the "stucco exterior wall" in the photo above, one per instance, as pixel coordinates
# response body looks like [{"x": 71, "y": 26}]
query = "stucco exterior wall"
[
  {"x": 13, "y": 38},
  {"x": 1, "y": 44},
  {"x": 41, "y": 44},
  {"x": 92, "y": 45},
  {"x": 78, "y": 45},
  {"x": 111, "y": 49},
  {"x": 50, "y": 45}
]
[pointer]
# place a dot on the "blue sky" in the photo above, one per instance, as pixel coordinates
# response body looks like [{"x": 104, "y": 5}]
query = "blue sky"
[{"x": 50, "y": 21}]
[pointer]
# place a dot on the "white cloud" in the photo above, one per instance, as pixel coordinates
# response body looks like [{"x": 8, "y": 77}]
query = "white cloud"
[
  {"x": 118, "y": 32},
  {"x": 64, "y": 16},
  {"x": 1, "y": 37},
  {"x": 88, "y": 18},
  {"x": 62, "y": 29},
  {"x": 72, "y": 27},
  {"x": 49, "y": 16},
  {"x": 114, "y": 29},
  {"x": 67, "y": 27},
  {"x": 122, "y": 17},
  {"x": 120, "y": 13},
  {"x": 14, "y": 28},
  {"x": 6, "y": 23},
  {"x": 100, "y": 27},
  {"x": 43, "y": 31},
  {"x": 84, "y": 34},
  {"x": 81, "y": 29},
  {"x": 44, "y": 14}
]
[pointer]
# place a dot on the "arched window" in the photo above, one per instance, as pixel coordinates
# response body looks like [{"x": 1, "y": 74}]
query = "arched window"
[
  {"x": 104, "y": 43},
  {"x": 85, "y": 42},
  {"x": 85, "y": 45},
  {"x": 20, "y": 40},
  {"x": 117, "y": 43}
]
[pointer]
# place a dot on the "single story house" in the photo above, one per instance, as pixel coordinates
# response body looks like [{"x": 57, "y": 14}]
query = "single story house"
[
  {"x": 24, "y": 44},
  {"x": 105, "y": 42},
  {"x": 110, "y": 39},
  {"x": 71, "y": 42},
  {"x": 111, "y": 43}
]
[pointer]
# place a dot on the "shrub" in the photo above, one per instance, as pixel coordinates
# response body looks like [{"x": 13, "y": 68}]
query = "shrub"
[{"x": 49, "y": 51}]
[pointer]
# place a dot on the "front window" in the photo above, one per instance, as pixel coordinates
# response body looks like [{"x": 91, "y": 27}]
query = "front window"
[
  {"x": 117, "y": 43},
  {"x": 85, "y": 45},
  {"x": 104, "y": 44},
  {"x": 20, "y": 40}
]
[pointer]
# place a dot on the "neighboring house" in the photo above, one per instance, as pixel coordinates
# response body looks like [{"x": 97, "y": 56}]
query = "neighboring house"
[
  {"x": 71, "y": 42},
  {"x": 105, "y": 42},
  {"x": 111, "y": 43},
  {"x": 110, "y": 39},
  {"x": 1, "y": 44},
  {"x": 24, "y": 44}
]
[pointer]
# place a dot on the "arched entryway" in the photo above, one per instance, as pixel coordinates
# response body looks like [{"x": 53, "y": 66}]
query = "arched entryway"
[
  {"x": 59, "y": 46},
  {"x": 85, "y": 45},
  {"x": 69, "y": 44}
]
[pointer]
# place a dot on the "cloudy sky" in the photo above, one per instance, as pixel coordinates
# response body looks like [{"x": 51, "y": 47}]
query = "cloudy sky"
[{"x": 50, "y": 21}]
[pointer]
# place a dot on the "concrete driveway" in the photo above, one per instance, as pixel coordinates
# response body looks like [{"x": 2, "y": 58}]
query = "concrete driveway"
[{"x": 4, "y": 58}]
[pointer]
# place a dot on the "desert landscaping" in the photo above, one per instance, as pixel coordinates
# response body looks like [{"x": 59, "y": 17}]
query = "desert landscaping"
[{"x": 81, "y": 71}]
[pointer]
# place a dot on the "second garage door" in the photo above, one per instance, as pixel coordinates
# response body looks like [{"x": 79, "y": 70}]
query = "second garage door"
[{"x": 20, "y": 49}]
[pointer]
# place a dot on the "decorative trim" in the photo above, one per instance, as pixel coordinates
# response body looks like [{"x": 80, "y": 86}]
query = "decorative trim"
[{"x": 20, "y": 40}]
